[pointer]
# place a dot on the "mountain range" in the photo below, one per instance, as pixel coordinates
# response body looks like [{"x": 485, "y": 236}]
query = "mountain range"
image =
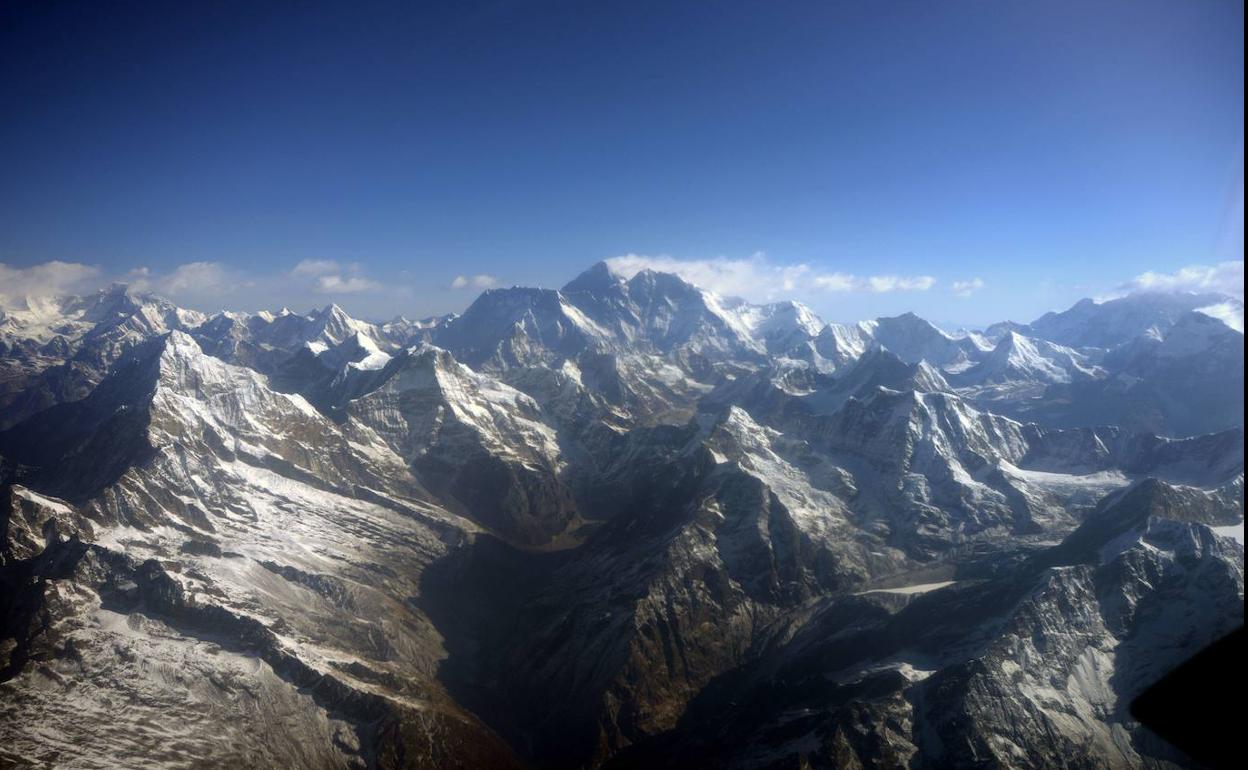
[{"x": 628, "y": 523}]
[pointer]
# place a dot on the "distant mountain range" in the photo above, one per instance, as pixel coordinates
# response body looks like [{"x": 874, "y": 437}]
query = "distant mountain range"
[{"x": 624, "y": 524}]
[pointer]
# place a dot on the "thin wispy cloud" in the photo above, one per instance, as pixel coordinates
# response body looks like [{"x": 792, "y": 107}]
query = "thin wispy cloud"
[
  {"x": 200, "y": 285},
  {"x": 337, "y": 284},
  {"x": 965, "y": 289},
  {"x": 888, "y": 283},
  {"x": 332, "y": 277},
  {"x": 479, "y": 281},
  {"x": 315, "y": 267},
  {"x": 758, "y": 278},
  {"x": 200, "y": 277}
]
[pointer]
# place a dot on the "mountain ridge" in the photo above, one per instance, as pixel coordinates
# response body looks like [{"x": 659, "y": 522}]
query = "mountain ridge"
[{"x": 626, "y": 523}]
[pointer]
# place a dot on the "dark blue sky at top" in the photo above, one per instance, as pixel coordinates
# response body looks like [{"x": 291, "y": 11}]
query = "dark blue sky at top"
[{"x": 1051, "y": 149}]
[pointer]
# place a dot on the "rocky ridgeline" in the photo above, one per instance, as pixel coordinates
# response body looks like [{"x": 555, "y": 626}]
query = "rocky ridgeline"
[{"x": 628, "y": 523}]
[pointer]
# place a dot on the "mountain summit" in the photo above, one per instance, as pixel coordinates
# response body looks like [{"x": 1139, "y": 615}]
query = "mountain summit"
[{"x": 581, "y": 527}]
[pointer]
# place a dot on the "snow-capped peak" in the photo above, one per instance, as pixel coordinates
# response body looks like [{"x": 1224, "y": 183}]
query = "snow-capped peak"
[{"x": 1019, "y": 357}]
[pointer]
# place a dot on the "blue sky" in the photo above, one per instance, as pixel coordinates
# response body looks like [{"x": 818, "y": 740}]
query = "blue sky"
[{"x": 993, "y": 159}]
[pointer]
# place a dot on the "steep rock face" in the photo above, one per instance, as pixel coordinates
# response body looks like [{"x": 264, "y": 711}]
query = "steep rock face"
[
  {"x": 30, "y": 521},
  {"x": 628, "y": 389},
  {"x": 58, "y": 349},
  {"x": 878, "y": 368},
  {"x": 1020, "y": 359},
  {"x": 325, "y": 356},
  {"x": 788, "y": 397},
  {"x": 168, "y": 400},
  {"x": 1033, "y": 668},
  {"x": 516, "y": 327},
  {"x": 85, "y": 626},
  {"x": 259, "y": 550},
  {"x": 786, "y": 329},
  {"x": 932, "y": 470},
  {"x": 601, "y": 311},
  {"x": 480, "y": 443},
  {"x": 908, "y": 337},
  {"x": 918, "y": 459},
  {"x": 913, "y": 339},
  {"x": 1205, "y": 461},
  {"x": 1183, "y": 380},
  {"x": 1138, "y": 589},
  {"x": 325, "y": 328},
  {"x": 1200, "y": 361},
  {"x": 840, "y": 344},
  {"x": 653, "y": 527},
  {"x": 704, "y": 555},
  {"x": 674, "y": 313}
]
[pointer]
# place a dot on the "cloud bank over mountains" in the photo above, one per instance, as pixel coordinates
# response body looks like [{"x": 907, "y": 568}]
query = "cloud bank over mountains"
[
  {"x": 49, "y": 278},
  {"x": 759, "y": 279},
  {"x": 210, "y": 286},
  {"x": 1223, "y": 278}
]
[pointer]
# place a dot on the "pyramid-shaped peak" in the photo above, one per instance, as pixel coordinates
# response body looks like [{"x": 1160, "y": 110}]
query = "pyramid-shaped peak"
[
  {"x": 597, "y": 279},
  {"x": 909, "y": 320},
  {"x": 333, "y": 310}
]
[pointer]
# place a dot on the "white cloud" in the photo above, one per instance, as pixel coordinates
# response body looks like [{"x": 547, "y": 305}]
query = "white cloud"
[
  {"x": 333, "y": 277},
  {"x": 193, "y": 276},
  {"x": 965, "y": 289},
  {"x": 834, "y": 282},
  {"x": 337, "y": 284},
  {"x": 757, "y": 278},
  {"x": 47, "y": 279},
  {"x": 1223, "y": 278},
  {"x": 480, "y": 281},
  {"x": 886, "y": 283},
  {"x": 315, "y": 267},
  {"x": 188, "y": 282}
]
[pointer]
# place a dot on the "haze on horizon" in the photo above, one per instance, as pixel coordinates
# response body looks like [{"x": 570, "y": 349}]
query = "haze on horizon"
[{"x": 970, "y": 163}]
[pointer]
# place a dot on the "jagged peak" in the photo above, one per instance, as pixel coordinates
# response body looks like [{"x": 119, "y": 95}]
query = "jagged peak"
[
  {"x": 930, "y": 376},
  {"x": 334, "y": 326},
  {"x": 1123, "y": 518},
  {"x": 657, "y": 280},
  {"x": 1012, "y": 345},
  {"x": 182, "y": 343},
  {"x": 442, "y": 366},
  {"x": 474, "y": 398},
  {"x": 1018, "y": 355},
  {"x": 730, "y": 432},
  {"x": 182, "y": 361},
  {"x": 332, "y": 312},
  {"x": 910, "y": 400},
  {"x": 784, "y": 317},
  {"x": 599, "y": 278}
]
